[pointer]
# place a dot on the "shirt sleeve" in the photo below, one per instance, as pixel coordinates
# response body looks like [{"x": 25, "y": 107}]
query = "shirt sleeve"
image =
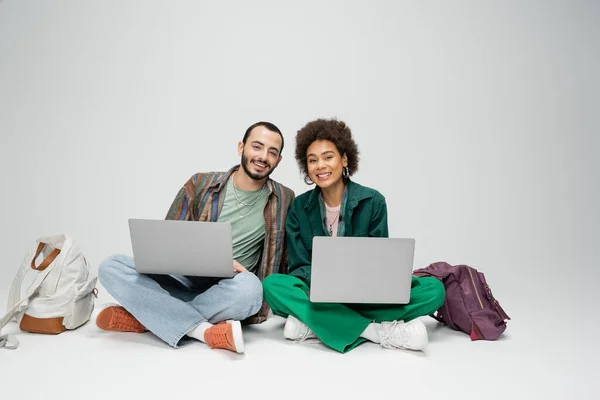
[
  {"x": 182, "y": 207},
  {"x": 283, "y": 266},
  {"x": 299, "y": 257},
  {"x": 379, "y": 219}
]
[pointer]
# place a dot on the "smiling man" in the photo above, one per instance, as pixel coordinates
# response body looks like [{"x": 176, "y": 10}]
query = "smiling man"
[{"x": 179, "y": 309}]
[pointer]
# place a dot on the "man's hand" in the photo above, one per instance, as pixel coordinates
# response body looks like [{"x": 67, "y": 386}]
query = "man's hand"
[{"x": 237, "y": 267}]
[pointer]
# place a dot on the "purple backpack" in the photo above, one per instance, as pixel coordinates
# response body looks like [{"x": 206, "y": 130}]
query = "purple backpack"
[{"x": 469, "y": 305}]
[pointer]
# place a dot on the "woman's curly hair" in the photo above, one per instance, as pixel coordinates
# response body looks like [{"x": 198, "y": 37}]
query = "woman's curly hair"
[{"x": 333, "y": 130}]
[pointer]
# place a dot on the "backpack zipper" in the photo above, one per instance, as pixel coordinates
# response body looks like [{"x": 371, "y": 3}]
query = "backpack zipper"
[{"x": 475, "y": 287}]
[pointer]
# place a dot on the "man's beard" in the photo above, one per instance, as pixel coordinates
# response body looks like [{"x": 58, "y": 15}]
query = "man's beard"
[{"x": 255, "y": 176}]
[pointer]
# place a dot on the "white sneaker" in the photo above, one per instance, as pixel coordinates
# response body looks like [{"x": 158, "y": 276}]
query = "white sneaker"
[
  {"x": 295, "y": 329},
  {"x": 399, "y": 335}
]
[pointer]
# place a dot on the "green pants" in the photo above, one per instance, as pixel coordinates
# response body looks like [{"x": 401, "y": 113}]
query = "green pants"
[{"x": 339, "y": 326}]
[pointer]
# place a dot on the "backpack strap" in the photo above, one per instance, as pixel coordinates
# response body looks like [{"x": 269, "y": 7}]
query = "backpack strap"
[
  {"x": 439, "y": 270},
  {"x": 16, "y": 304},
  {"x": 15, "y": 289}
]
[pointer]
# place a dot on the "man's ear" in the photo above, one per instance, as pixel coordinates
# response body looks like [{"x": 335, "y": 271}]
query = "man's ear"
[
  {"x": 278, "y": 161},
  {"x": 240, "y": 148}
]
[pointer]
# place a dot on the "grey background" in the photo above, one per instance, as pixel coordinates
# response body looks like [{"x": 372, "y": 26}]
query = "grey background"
[{"x": 477, "y": 120}]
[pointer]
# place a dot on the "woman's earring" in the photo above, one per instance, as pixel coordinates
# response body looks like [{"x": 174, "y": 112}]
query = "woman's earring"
[
  {"x": 307, "y": 180},
  {"x": 345, "y": 172}
]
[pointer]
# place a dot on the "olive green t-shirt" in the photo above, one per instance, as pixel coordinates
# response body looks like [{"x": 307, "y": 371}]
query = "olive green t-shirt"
[{"x": 247, "y": 223}]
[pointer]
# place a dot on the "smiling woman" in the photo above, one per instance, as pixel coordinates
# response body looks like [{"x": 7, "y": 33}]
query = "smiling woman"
[{"x": 328, "y": 156}]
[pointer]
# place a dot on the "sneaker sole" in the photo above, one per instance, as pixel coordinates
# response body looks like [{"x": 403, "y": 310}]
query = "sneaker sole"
[
  {"x": 104, "y": 322},
  {"x": 421, "y": 331},
  {"x": 238, "y": 337}
]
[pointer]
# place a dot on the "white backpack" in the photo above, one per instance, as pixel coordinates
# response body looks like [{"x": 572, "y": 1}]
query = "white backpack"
[{"x": 61, "y": 296}]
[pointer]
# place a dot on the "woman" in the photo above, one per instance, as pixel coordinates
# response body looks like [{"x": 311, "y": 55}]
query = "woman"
[{"x": 328, "y": 156}]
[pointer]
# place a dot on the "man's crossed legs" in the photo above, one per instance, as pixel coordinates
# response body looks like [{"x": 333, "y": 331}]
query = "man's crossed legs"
[{"x": 179, "y": 308}]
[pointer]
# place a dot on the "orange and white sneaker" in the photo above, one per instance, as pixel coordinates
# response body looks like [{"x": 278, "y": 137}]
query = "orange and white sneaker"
[
  {"x": 226, "y": 336},
  {"x": 117, "y": 318}
]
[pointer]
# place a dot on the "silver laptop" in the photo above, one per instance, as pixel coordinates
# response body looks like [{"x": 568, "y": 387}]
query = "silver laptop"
[
  {"x": 173, "y": 247},
  {"x": 361, "y": 270}
]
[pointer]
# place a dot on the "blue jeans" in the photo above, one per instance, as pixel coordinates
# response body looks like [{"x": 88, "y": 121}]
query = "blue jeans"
[{"x": 171, "y": 306}]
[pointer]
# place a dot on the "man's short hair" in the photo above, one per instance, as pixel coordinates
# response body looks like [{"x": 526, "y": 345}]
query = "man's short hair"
[{"x": 267, "y": 125}]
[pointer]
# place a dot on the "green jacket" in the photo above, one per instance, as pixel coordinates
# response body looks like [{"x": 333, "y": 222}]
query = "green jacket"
[{"x": 365, "y": 214}]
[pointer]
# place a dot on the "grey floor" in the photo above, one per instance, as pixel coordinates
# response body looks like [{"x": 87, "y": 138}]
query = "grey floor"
[{"x": 536, "y": 358}]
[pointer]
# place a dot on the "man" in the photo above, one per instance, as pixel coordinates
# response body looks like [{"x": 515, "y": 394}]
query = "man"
[{"x": 179, "y": 309}]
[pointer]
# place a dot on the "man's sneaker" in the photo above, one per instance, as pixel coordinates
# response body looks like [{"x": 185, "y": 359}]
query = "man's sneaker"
[
  {"x": 117, "y": 318},
  {"x": 400, "y": 335},
  {"x": 295, "y": 329},
  {"x": 226, "y": 336}
]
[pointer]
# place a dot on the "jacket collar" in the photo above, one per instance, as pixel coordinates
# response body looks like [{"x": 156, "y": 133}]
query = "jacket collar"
[{"x": 356, "y": 193}]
